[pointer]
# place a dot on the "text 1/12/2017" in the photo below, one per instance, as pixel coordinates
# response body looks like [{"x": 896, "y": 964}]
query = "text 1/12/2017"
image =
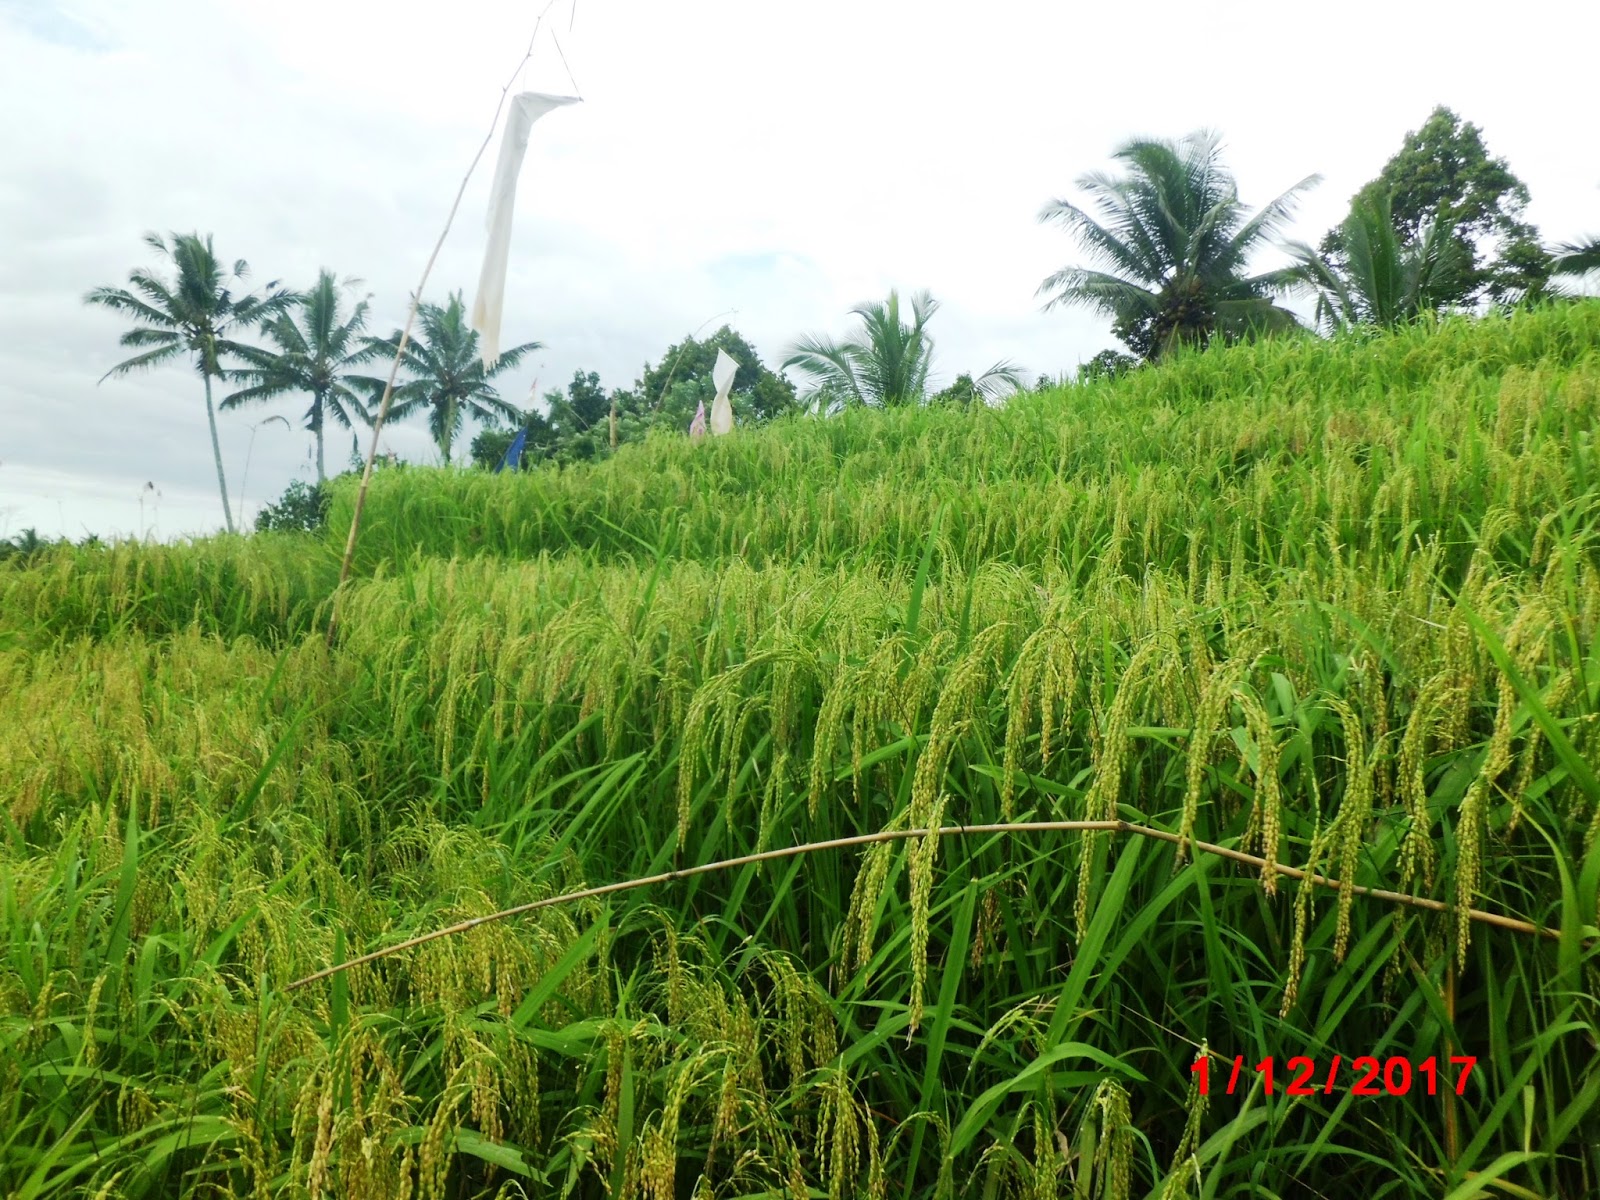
[{"x": 1366, "y": 1075}]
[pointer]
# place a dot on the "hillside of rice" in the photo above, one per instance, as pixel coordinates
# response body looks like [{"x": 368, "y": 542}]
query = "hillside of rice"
[{"x": 1328, "y": 605}]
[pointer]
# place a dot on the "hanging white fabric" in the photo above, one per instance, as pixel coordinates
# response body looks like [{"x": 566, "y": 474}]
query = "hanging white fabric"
[
  {"x": 526, "y": 108},
  {"x": 721, "y": 408}
]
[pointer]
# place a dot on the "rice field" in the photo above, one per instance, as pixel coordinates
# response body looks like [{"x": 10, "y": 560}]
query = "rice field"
[{"x": 1331, "y": 606}]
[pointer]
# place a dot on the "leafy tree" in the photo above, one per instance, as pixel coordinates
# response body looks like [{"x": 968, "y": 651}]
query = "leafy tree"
[
  {"x": 576, "y": 423},
  {"x": 638, "y": 413},
  {"x": 1174, "y": 243},
  {"x": 888, "y": 361},
  {"x": 582, "y": 408},
  {"x": 757, "y": 394},
  {"x": 194, "y": 314},
  {"x": 448, "y": 379},
  {"x": 673, "y": 410},
  {"x": 1378, "y": 278},
  {"x": 303, "y": 508},
  {"x": 962, "y": 393},
  {"x": 356, "y": 464},
  {"x": 1108, "y": 364},
  {"x": 664, "y": 396},
  {"x": 578, "y": 419},
  {"x": 1443, "y": 177},
  {"x": 314, "y": 355},
  {"x": 490, "y": 446}
]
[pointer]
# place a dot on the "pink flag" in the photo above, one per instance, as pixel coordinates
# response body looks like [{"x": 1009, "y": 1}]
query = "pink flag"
[{"x": 697, "y": 427}]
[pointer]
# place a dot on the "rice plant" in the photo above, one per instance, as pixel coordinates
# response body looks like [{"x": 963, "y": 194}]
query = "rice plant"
[{"x": 1329, "y": 604}]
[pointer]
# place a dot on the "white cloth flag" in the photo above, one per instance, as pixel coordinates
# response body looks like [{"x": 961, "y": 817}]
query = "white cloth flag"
[
  {"x": 721, "y": 409},
  {"x": 526, "y": 108}
]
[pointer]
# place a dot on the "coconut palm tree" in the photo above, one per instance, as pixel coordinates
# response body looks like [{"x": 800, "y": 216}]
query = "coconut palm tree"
[
  {"x": 1171, "y": 245},
  {"x": 888, "y": 361},
  {"x": 195, "y": 314},
  {"x": 314, "y": 355},
  {"x": 1381, "y": 279},
  {"x": 448, "y": 379},
  {"x": 1578, "y": 258}
]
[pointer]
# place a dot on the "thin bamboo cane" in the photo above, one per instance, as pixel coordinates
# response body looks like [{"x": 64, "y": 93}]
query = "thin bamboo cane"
[
  {"x": 405, "y": 334},
  {"x": 888, "y": 835}
]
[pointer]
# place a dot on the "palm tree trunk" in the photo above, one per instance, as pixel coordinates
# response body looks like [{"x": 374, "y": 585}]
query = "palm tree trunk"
[
  {"x": 216, "y": 452},
  {"x": 322, "y": 477}
]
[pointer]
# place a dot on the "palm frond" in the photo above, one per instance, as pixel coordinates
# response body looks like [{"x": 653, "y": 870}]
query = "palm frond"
[
  {"x": 140, "y": 362},
  {"x": 1577, "y": 258},
  {"x": 342, "y": 401},
  {"x": 1255, "y": 315},
  {"x": 508, "y": 359},
  {"x": 156, "y": 293},
  {"x": 1273, "y": 216},
  {"x": 252, "y": 395},
  {"x": 143, "y": 335},
  {"x": 999, "y": 380},
  {"x": 122, "y": 301},
  {"x": 1105, "y": 293},
  {"x": 1102, "y": 244},
  {"x": 830, "y": 362}
]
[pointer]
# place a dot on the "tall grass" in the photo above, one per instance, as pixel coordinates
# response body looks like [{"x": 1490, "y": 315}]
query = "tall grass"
[{"x": 1332, "y": 604}]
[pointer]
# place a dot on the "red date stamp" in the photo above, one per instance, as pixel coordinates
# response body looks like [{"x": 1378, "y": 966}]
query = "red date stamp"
[{"x": 1366, "y": 1075}]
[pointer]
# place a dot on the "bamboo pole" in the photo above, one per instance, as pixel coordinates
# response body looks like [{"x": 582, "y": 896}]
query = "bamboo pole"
[
  {"x": 411, "y": 316},
  {"x": 888, "y": 835}
]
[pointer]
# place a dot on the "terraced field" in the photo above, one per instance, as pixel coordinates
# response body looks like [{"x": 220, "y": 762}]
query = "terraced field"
[{"x": 1331, "y": 606}]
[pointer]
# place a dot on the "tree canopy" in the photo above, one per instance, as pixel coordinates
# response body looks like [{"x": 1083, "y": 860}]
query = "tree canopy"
[
  {"x": 197, "y": 313},
  {"x": 1171, "y": 242},
  {"x": 1378, "y": 278},
  {"x": 761, "y": 393},
  {"x": 1444, "y": 177},
  {"x": 448, "y": 381},
  {"x": 314, "y": 356},
  {"x": 576, "y": 424},
  {"x": 888, "y": 360}
]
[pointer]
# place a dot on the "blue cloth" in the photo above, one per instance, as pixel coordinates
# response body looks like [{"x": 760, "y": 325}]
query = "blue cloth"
[{"x": 513, "y": 452}]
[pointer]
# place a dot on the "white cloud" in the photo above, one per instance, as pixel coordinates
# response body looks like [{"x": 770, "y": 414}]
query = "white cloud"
[{"x": 873, "y": 145}]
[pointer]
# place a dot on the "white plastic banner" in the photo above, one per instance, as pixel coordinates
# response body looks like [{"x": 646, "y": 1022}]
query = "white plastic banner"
[
  {"x": 721, "y": 408},
  {"x": 526, "y": 108}
]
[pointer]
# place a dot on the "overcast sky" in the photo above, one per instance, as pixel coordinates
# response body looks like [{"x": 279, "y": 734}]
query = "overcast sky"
[{"x": 787, "y": 161}]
